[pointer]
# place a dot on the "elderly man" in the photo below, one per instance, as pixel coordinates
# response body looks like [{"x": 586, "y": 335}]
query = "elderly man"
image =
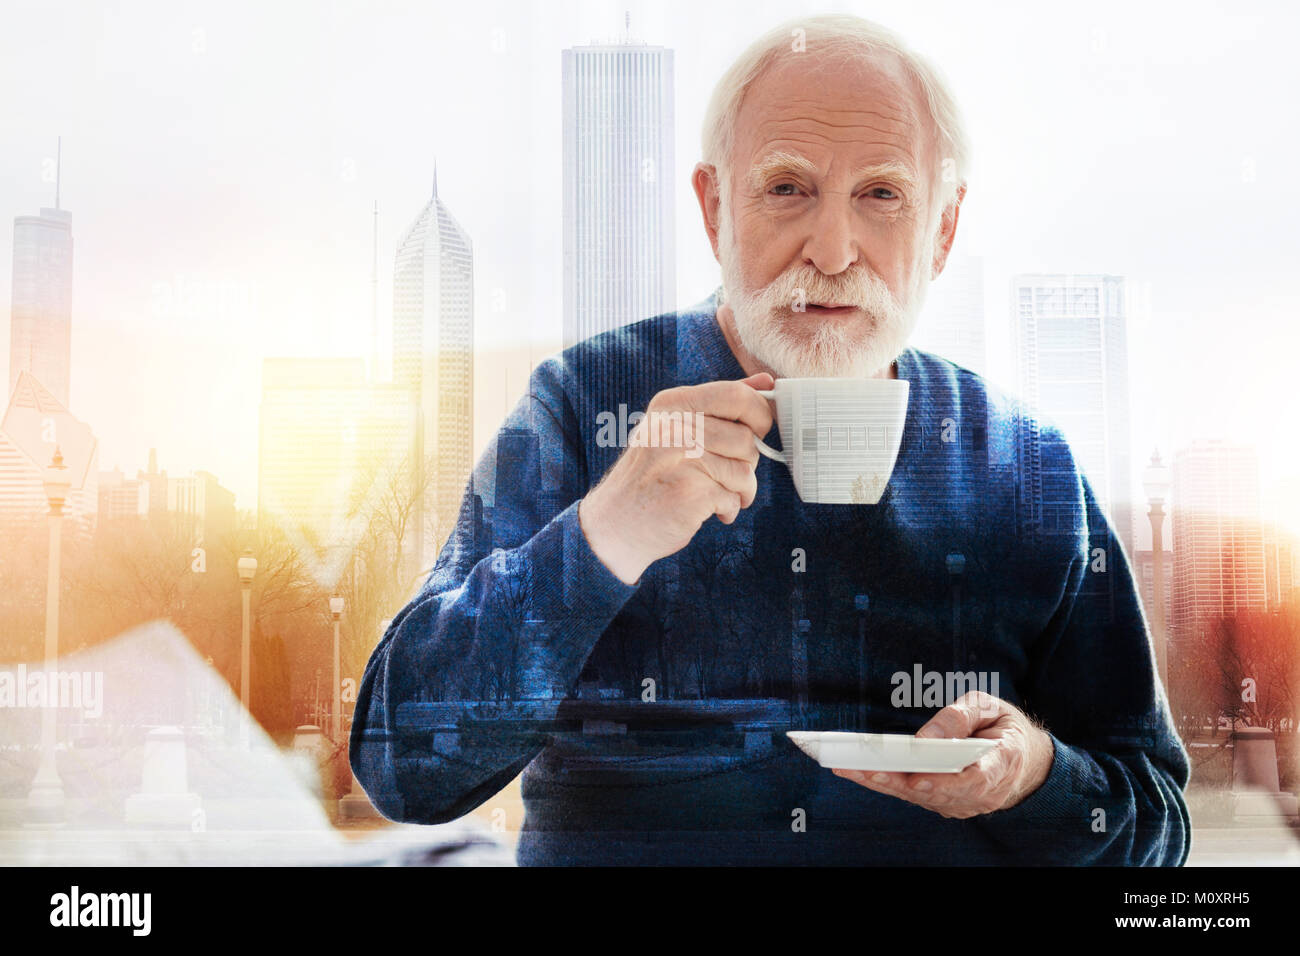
[{"x": 588, "y": 619}]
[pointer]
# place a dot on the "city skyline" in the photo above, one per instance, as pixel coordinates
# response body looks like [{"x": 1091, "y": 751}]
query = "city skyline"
[
  {"x": 319, "y": 252},
  {"x": 260, "y": 263}
]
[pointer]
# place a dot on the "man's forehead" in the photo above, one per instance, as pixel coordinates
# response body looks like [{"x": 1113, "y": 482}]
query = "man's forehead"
[{"x": 856, "y": 114}]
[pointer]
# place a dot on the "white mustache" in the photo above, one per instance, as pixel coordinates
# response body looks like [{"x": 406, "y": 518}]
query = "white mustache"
[{"x": 805, "y": 285}]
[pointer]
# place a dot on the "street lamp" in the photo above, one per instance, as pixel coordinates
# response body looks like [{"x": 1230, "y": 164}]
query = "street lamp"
[
  {"x": 1155, "y": 481},
  {"x": 247, "y": 566},
  {"x": 336, "y": 722},
  {"x": 45, "y": 800}
]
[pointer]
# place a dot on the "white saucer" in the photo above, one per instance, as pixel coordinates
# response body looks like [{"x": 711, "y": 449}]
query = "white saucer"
[{"x": 890, "y": 752}]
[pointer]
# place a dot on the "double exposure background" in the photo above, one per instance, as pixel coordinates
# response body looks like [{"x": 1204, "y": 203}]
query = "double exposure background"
[{"x": 274, "y": 276}]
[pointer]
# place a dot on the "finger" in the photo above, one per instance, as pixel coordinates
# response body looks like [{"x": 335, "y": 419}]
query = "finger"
[
  {"x": 878, "y": 780},
  {"x": 722, "y": 437},
  {"x": 732, "y": 401},
  {"x": 737, "y": 476},
  {"x": 964, "y": 716},
  {"x": 942, "y": 789},
  {"x": 726, "y": 504}
]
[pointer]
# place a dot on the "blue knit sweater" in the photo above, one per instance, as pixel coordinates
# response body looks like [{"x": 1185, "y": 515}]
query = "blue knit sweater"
[{"x": 651, "y": 718}]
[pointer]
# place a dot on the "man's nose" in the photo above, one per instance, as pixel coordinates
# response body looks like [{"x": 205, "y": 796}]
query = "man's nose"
[{"x": 833, "y": 246}]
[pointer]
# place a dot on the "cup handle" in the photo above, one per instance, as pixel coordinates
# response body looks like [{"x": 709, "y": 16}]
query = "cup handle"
[
  {"x": 769, "y": 451},
  {"x": 764, "y": 448}
]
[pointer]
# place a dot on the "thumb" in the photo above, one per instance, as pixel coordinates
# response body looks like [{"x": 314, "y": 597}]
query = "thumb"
[
  {"x": 964, "y": 716},
  {"x": 763, "y": 380}
]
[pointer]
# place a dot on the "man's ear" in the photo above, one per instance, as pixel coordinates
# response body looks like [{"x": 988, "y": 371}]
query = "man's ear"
[
  {"x": 946, "y": 232},
  {"x": 705, "y": 181}
]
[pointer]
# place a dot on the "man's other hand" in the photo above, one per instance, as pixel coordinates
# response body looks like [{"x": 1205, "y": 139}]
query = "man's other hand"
[
  {"x": 691, "y": 457},
  {"x": 1001, "y": 778}
]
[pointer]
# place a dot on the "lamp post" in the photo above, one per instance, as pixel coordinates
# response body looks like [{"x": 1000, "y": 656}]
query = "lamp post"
[
  {"x": 336, "y": 699},
  {"x": 247, "y": 568},
  {"x": 45, "y": 799},
  {"x": 1155, "y": 481}
]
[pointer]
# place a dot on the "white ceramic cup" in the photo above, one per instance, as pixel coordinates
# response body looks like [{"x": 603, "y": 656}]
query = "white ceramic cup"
[{"x": 841, "y": 435}]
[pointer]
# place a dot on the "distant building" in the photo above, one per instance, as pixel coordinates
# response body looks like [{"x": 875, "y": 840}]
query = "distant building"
[
  {"x": 1072, "y": 365},
  {"x": 212, "y": 507},
  {"x": 154, "y": 483},
  {"x": 153, "y": 496},
  {"x": 144, "y": 496},
  {"x": 35, "y": 425},
  {"x": 121, "y": 497},
  {"x": 1218, "y": 542},
  {"x": 1144, "y": 572},
  {"x": 1280, "y": 552},
  {"x": 433, "y": 359},
  {"x": 40, "y": 325},
  {"x": 619, "y": 163}
]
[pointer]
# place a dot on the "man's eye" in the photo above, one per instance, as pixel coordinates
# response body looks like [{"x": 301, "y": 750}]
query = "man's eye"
[
  {"x": 888, "y": 193},
  {"x": 780, "y": 189}
]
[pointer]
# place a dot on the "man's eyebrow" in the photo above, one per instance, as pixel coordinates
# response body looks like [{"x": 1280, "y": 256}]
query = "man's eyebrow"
[
  {"x": 786, "y": 162},
  {"x": 780, "y": 161},
  {"x": 901, "y": 173}
]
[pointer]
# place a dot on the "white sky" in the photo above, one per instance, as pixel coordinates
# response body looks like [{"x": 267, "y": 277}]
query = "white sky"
[{"x": 229, "y": 153}]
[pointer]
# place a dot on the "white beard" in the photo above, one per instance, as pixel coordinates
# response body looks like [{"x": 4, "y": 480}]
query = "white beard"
[{"x": 796, "y": 344}]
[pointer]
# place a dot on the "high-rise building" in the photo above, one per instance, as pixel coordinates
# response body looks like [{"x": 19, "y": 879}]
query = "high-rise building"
[
  {"x": 619, "y": 159},
  {"x": 121, "y": 497},
  {"x": 34, "y": 427},
  {"x": 433, "y": 359},
  {"x": 1144, "y": 571},
  {"x": 326, "y": 437},
  {"x": 1072, "y": 366},
  {"x": 1280, "y": 552},
  {"x": 1218, "y": 541},
  {"x": 40, "y": 329},
  {"x": 952, "y": 320},
  {"x": 201, "y": 498}
]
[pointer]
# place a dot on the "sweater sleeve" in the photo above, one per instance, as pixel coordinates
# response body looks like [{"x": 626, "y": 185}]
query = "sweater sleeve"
[
  {"x": 457, "y": 696},
  {"x": 1114, "y": 794}
]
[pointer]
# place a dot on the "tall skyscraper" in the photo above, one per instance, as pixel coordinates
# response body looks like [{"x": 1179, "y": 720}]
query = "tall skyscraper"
[
  {"x": 1072, "y": 365},
  {"x": 952, "y": 320},
  {"x": 619, "y": 159},
  {"x": 40, "y": 329},
  {"x": 1219, "y": 561},
  {"x": 433, "y": 358}
]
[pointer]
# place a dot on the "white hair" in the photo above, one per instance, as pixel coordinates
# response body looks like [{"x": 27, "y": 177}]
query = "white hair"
[{"x": 845, "y": 36}]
